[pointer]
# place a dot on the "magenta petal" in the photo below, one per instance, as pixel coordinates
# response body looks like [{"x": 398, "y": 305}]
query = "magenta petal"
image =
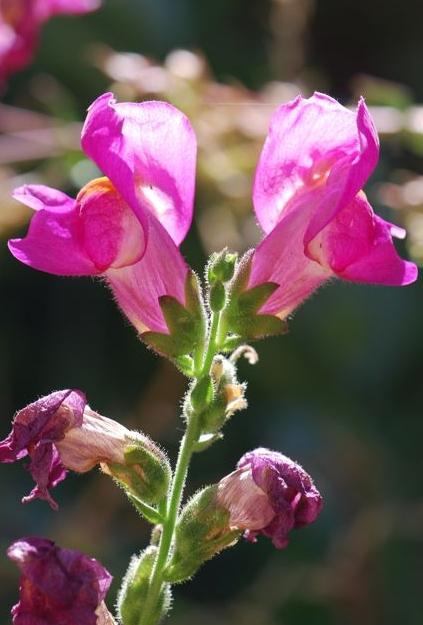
[
  {"x": 38, "y": 197},
  {"x": 148, "y": 150},
  {"x": 280, "y": 258},
  {"x": 58, "y": 586},
  {"x": 161, "y": 271},
  {"x": 349, "y": 175},
  {"x": 53, "y": 241},
  {"x": 309, "y": 139},
  {"x": 357, "y": 245},
  {"x": 109, "y": 232}
]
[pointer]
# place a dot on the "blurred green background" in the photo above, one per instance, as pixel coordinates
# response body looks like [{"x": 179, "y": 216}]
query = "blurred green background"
[{"x": 341, "y": 393}]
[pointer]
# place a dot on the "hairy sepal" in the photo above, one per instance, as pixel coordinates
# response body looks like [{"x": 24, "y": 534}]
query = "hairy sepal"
[
  {"x": 186, "y": 325},
  {"x": 241, "y": 316}
]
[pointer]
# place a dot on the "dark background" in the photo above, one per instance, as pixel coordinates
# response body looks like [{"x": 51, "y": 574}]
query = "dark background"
[{"x": 341, "y": 392}]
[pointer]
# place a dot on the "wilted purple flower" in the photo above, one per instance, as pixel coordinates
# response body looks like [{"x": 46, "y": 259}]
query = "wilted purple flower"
[
  {"x": 61, "y": 432},
  {"x": 58, "y": 586},
  {"x": 269, "y": 494}
]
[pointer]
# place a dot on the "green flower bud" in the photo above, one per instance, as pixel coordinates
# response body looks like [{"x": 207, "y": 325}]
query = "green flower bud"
[
  {"x": 229, "y": 396},
  {"x": 201, "y": 532},
  {"x": 221, "y": 266},
  {"x": 145, "y": 471},
  {"x": 133, "y": 593},
  {"x": 202, "y": 393},
  {"x": 217, "y": 297}
]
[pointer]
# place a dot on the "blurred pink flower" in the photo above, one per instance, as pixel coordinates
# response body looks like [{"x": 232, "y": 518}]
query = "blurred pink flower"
[
  {"x": 308, "y": 200},
  {"x": 58, "y": 586},
  {"x": 269, "y": 494},
  {"x": 126, "y": 227},
  {"x": 20, "y": 23}
]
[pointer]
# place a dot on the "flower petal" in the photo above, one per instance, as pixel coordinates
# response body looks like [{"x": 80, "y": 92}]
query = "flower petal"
[
  {"x": 53, "y": 241},
  {"x": 148, "y": 151},
  {"x": 35, "y": 430},
  {"x": 110, "y": 233},
  {"x": 357, "y": 245},
  {"x": 161, "y": 271},
  {"x": 60, "y": 586},
  {"x": 280, "y": 258},
  {"x": 313, "y": 141}
]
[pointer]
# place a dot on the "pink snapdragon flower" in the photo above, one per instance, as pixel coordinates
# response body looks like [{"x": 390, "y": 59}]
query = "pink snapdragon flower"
[
  {"x": 127, "y": 227},
  {"x": 308, "y": 199},
  {"x": 58, "y": 586},
  {"x": 20, "y": 23},
  {"x": 60, "y": 432},
  {"x": 269, "y": 494}
]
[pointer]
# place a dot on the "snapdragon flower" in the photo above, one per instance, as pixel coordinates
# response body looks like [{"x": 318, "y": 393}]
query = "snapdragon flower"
[
  {"x": 125, "y": 227},
  {"x": 60, "y": 432},
  {"x": 308, "y": 199}
]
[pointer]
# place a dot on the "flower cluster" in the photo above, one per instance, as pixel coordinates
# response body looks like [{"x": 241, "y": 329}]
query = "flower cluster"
[{"x": 126, "y": 227}]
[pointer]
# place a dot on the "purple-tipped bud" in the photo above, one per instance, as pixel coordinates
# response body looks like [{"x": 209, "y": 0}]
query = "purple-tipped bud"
[
  {"x": 269, "y": 494},
  {"x": 58, "y": 586},
  {"x": 60, "y": 432}
]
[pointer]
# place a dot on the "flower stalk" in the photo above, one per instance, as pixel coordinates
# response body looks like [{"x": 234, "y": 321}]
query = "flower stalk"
[{"x": 186, "y": 451}]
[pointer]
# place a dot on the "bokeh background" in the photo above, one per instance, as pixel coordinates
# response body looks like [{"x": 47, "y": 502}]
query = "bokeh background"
[{"x": 342, "y": 392}]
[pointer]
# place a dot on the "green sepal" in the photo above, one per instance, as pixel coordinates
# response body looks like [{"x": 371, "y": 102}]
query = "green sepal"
[
  {"x": 185, "y": 365},
  {"x": 148, "y": 512},
  {"x": 146, "y": 474},
  {"x": 201, "y": 532},
  {"x": 134, "y": 591},
  {"x": 186, "y": 324},
  {"x": 241, "y": 316},
  {"x": 214, "y": 417}
]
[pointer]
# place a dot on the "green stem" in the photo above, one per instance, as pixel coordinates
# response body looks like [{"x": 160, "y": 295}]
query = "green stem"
[
  {"x": 212, "y": 345},
  {"x": 186, "y": 450}
]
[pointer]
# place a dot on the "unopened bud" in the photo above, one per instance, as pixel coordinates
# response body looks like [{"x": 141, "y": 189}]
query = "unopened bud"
[
  {"x": 133, "y": 593},
  {"x": 217, "y": 297},
  {"x": 229, "y": 396},
  {"x": 221, "y": 266},
  {"x": 202, "y": 393}
]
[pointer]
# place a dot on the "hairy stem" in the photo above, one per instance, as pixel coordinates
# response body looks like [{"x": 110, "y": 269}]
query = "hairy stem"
[{"x": 149, "y": 616}]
